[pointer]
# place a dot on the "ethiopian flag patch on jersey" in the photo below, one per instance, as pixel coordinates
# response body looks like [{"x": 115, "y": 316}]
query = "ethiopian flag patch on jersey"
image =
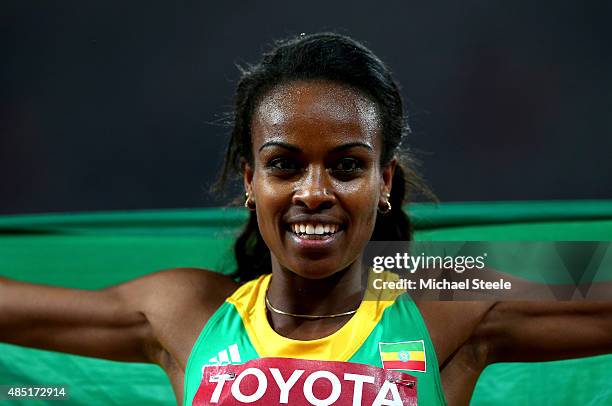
[{"x": 405, "y": 356}]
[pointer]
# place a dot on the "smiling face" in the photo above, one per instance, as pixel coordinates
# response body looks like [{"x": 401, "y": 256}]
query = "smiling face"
[{"x": 316, "y": 176}]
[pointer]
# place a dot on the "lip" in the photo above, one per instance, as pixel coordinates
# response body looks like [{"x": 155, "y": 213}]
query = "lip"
[
  {"x": 313, "y": 219},
  {"x": 319, "y": 244}
]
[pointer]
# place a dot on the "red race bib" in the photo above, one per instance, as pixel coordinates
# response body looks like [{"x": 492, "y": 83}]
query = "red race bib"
[{"x": 277, "y": 381}]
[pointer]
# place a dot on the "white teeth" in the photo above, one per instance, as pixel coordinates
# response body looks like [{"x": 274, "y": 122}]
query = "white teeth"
[{"x": 314, "y": 229}]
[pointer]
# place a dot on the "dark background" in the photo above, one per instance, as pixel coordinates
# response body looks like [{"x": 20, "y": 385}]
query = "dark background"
[{"x": 116, "y": 105}]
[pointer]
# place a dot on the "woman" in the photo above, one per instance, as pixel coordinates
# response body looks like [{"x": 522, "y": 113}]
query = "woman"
[{"x": 317, "y": 134}]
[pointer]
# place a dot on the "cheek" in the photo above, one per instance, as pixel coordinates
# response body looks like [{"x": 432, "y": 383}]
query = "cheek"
[
  {"x": 271, "y": 199},
  {"x": 361, "y": 200},
  {"x": 271, "y": 193}
]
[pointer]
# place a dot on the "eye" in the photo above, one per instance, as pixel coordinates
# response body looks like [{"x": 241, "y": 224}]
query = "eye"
[
  {"x": 348, "y": 165},
  {"x": 282, "y": 164}
]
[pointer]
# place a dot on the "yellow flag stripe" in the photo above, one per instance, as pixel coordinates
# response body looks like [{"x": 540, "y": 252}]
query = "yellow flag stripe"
[{"x": 394, "y": 356}]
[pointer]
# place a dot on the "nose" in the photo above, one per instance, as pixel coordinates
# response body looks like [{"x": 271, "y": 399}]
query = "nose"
[{"x": 315, "y": 191}]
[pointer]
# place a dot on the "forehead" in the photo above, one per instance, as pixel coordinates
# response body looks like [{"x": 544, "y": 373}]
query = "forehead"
[{"x": 318, "y": 113}]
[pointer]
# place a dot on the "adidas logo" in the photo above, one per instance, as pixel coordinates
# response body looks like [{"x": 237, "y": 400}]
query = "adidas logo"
[{"x": 229, "y": 356}]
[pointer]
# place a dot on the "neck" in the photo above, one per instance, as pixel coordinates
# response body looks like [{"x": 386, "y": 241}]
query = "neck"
[{"x": 337, "y": 293}]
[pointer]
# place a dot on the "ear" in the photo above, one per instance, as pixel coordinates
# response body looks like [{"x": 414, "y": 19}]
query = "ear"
[
  {"x": 387, "y": 179},
  {"x": 247, "y": 175}
]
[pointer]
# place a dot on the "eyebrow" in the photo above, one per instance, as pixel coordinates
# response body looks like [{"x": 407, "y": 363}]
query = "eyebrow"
[{"x": 293, "y": 148}]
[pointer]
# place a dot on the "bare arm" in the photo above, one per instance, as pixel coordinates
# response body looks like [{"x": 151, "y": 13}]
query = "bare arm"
[
  {"x": 98, "y": 323},
  {"x": 155, "y": 318},
  {"x": 546, "y": 331},
  {"x": 468, "y": 336}
]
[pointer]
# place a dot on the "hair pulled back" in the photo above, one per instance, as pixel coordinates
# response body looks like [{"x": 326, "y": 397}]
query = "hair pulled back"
[{"x": 322, "y": 56}]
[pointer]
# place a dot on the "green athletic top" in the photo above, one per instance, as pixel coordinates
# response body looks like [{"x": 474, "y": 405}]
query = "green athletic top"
[{"x": 389, "y": 336}]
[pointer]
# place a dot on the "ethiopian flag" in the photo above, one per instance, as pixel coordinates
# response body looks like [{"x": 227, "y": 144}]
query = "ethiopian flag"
[{"x": 407, "y": 355}]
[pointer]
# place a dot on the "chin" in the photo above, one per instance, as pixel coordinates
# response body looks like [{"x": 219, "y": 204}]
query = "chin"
[
  {"x": 316, "y": 269},
  {"x": 312, "y": 274}
]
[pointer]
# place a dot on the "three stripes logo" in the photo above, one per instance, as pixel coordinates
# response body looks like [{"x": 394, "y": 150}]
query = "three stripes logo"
[{"x": 231, "y": 355}]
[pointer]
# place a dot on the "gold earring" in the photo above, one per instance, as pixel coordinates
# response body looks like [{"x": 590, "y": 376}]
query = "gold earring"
[
  {"x": 387, "y": 209},
  {"x": 248, "y": 203}
]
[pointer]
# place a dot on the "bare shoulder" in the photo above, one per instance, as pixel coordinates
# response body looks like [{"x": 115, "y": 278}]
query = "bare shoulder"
[
  {"x": 176, "y": 303},
  {"x": 190, "y": 281},
  {"x": 453, "y": 324},
  {"x": 177, "y": 289},
  {"x": 462, "y": 351}
]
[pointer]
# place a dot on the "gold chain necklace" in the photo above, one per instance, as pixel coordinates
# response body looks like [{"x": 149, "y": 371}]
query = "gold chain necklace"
[{"x": 307, "y": 316}]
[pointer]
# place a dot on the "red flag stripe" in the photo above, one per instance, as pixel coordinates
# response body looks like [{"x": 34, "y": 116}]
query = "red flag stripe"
[{"x": 408, "y": 365}]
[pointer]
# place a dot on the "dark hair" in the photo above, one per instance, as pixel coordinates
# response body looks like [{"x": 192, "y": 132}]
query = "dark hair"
[{"x": 322, "y": 56}]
